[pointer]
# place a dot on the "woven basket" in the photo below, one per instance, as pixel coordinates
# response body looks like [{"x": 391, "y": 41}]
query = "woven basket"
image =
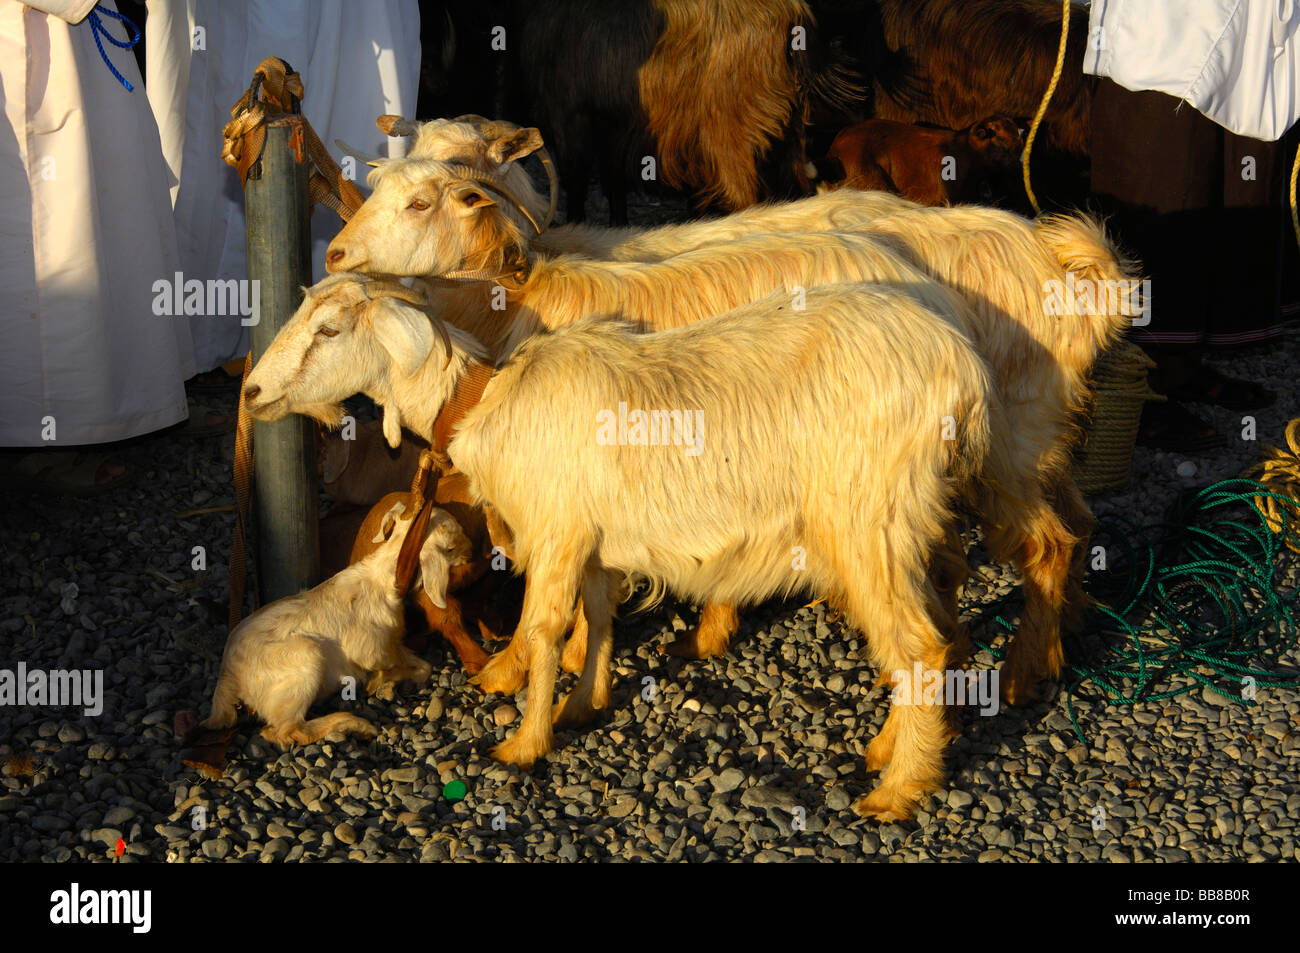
[{"x": 1105, "y": 460}]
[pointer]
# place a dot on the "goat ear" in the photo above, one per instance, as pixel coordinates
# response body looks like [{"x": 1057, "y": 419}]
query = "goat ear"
[
  {"x": 404, "y": 332},
  {"x": 389, "y": 521},
  {"x": 470, "y": 195},
  {"x": 435, "y": 570},
  {"x": 335, "y": 459},
  {"x": 392, "y": 426},
  {"x": 520, "y": 143}
]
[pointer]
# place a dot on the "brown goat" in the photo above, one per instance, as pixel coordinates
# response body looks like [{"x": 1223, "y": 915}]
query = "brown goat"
[
  {"x": 363, "y": 469},
  {"x": 971, "y": 58},
  {"x": 927, "y": 165},
  {"x": 737, "y": 51}
]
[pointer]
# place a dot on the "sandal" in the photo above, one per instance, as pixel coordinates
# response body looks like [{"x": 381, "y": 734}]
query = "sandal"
[
  {"x": 67, "y": 473},
  {"x": 1171, "y": 426},
  {"x": 204, "y": 421},
  {"x": 213, "y": 384},
  {"x": 1210, "y": 386}
]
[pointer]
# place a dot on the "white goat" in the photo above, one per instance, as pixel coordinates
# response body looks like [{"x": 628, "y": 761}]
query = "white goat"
[
  {"x": 424, "y": 221},
  {"x": 1040, "y": 362},
  {"x": 834, "y": 440},
  {"x": 297, "y": 651},
  {"x": 1001, "y": 264},
  {"x": 561, "y": 291},
  {"x": 485, "y": 157}
]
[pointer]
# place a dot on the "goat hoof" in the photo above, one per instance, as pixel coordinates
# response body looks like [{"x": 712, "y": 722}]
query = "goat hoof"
[
  {"x": 1017, "y": 688},
  {"x": 568, "y": 715},
  {"x": 882, "y": 806},
  {"x": 894, "y": 802},
  {"x": 473, "y": 661},
  {"x": 499, "y": 676},
  {"x": 365, "y": 730},
  {"x": 693, "y": 646},
  {"x": 513, "y": 751}
]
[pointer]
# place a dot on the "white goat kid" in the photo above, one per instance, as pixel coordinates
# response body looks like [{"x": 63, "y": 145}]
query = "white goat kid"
[
  {"x": 824, "y": 434},
  {"x": 297, "y": 651}
]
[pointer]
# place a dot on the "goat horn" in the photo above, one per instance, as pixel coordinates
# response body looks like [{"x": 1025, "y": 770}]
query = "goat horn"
[
  {"x": 386, "y": 288},
  {"x": 489, "y": 128},
  {"x": 545, "y": 158},
  {"x": 446, "y": 338},
  {"x": 368, "y": 158},
  {"x": 391, "y": 124},
  {"x": 501, "y": 127}
]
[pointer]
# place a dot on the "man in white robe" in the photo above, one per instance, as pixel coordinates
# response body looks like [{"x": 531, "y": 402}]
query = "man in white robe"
[{"x": 85, "y": 231}]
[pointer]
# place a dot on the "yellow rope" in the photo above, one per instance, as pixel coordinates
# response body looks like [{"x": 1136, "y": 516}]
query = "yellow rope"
[
  {"x": 1042, "y": 108},
  {"x": 1295, "y": 170},
  {"x": 1279, "y": 470}
]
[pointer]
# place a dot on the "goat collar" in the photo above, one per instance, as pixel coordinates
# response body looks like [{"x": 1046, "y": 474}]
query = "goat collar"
[
  {"x": 517, "y": 275},
  {"x": 468, "y": 392}
]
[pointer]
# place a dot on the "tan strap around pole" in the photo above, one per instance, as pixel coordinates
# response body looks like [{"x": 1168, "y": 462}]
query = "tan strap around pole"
[
  {"x": 244, "y": 137},
  {"x": 243, "y": 504}
]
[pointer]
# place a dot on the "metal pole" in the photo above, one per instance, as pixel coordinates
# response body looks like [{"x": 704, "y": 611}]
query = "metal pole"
[{"x": 279, "y": 260}]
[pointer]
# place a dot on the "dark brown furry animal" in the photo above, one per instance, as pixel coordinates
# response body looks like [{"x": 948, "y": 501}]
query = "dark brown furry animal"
[
  {"x": 960, "y": 60},
  {"x": 361, "y": 470},
  {"x": 711, "y": 89},
  {"x": 720, "y": 89},
  {"x": 924, "y": 164}
]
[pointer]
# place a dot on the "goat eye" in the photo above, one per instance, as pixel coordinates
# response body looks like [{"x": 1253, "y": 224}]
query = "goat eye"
[
  {"x": 418, "y": 205},
  {"x": 328, "y": 332}
]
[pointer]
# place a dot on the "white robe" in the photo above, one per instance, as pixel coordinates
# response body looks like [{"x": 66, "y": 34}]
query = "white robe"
[
  {"x": 357, "y": 61},
  {"x": 1236, "y": 61},
  {"x": 85, "y": 230}
]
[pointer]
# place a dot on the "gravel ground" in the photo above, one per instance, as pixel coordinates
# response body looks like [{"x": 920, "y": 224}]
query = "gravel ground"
[{"x": 756, "y": 756}]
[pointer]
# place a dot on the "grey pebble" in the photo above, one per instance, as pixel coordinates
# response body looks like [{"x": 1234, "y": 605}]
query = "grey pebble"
[
  {"x": 959, "y": 799},
  {"x": 216, "y": 848},
  {"x": 768, "y": 796},
  {"x": 728, "y": 780}
]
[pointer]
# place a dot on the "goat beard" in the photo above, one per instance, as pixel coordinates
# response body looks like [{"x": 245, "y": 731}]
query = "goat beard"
[{"x": 327, "y": 415}]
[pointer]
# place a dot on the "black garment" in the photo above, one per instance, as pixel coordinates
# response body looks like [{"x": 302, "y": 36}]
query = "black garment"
[{"x": 1211, "y": 241}]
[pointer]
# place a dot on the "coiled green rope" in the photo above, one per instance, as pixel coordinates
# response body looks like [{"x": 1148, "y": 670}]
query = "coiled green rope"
[{"x": 1203, "y": 598}]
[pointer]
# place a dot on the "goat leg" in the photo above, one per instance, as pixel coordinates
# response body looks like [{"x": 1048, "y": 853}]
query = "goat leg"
[
  {"x": 548, "y": 604},
  {"x": 450, "y": 624},
  {"x": 591, "y": 694},
  {"x": 718, "y": 623}
]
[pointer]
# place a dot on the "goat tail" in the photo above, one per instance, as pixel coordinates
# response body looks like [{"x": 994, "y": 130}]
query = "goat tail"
[
  {"x": 824, "y": 171},
  {"x": 224, "y": 701},
  {"x": 1083, "y": 250}
]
